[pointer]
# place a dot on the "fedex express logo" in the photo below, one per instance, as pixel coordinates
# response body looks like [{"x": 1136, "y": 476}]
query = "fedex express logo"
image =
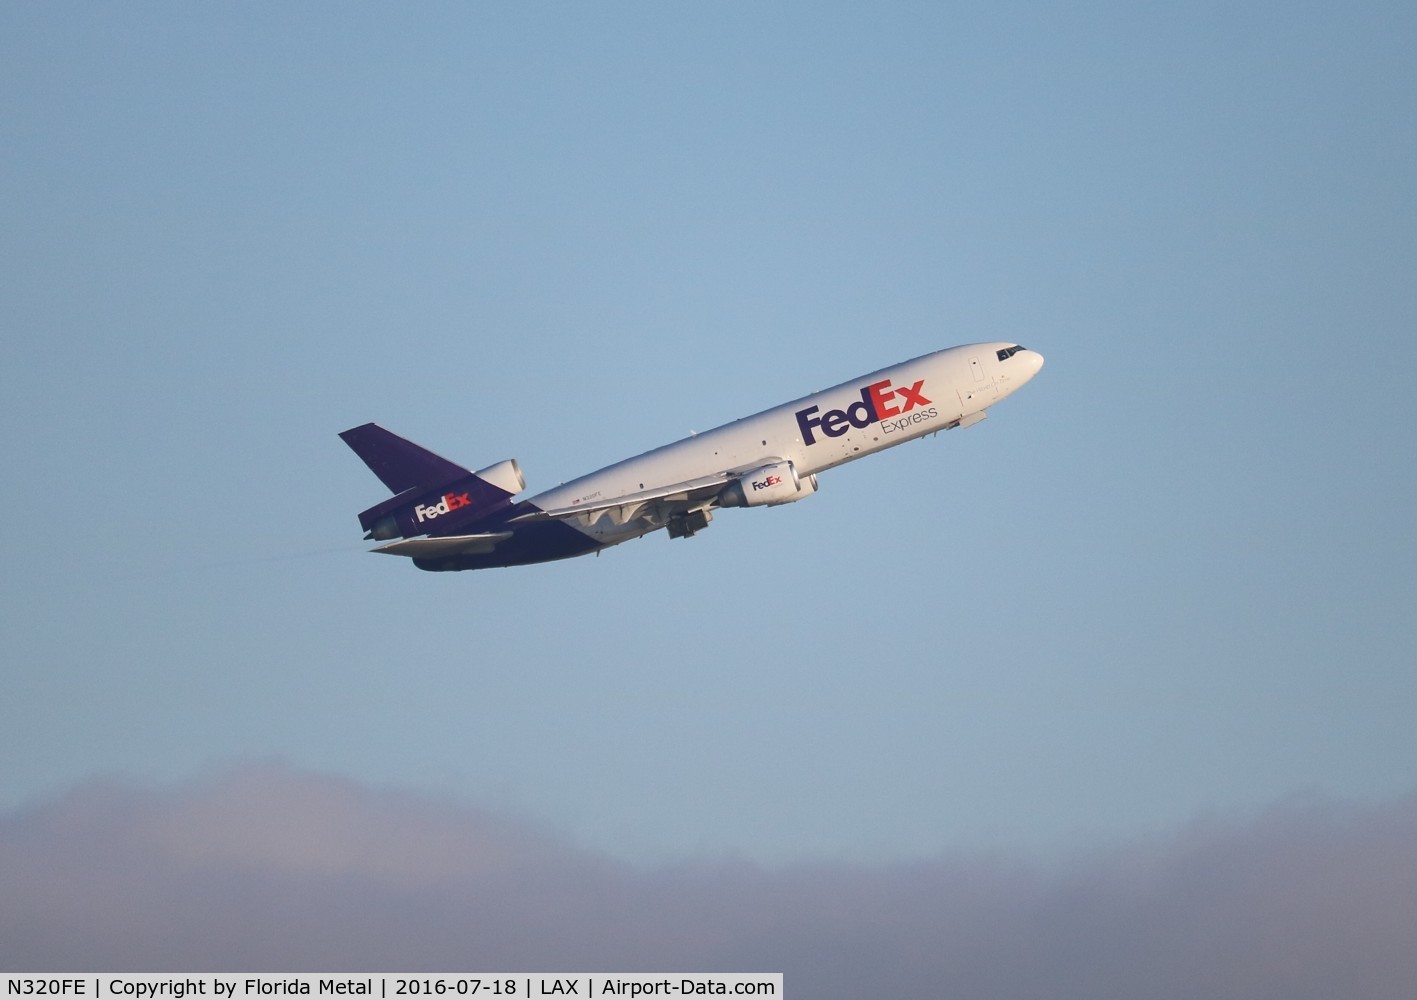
[
  {"x": 765, "y": 482},
  {"x": 879, "y": 401},
  {"x": 450, "y": 502}
]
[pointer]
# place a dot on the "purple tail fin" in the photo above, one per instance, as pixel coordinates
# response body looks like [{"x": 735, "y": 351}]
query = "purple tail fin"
[
  {"x": 400, "y": 464},
  {"x": 432, "y": 495}
]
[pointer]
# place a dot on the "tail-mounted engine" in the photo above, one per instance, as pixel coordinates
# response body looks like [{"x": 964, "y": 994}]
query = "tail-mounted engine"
[
  {"x": 505, "y": 475},
  {"x": 768, "y": 486}
]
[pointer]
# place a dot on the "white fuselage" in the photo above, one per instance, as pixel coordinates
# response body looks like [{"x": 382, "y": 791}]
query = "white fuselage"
[{"x": 817, "y": 432}]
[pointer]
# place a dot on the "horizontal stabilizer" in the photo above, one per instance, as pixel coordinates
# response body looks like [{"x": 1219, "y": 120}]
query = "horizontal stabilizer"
[{"x": 450, "y": 545}]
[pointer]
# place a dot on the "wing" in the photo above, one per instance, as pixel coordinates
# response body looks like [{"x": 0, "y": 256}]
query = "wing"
[
  {"x": 450, "y": 545},
  {"x": 662, "y": 500}
]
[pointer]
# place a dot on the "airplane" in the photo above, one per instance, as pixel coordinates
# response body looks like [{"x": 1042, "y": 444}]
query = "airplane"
[{"x": 448, "y": 517}]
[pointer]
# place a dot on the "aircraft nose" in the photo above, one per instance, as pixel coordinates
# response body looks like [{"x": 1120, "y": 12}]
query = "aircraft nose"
[{"x": 1034, "y": 360}]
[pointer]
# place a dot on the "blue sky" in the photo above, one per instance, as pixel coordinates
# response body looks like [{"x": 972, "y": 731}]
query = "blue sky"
[{"x": 1171, "y": 578}]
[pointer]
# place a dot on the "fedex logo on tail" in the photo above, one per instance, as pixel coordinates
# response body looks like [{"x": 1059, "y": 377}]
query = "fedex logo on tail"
[
  {"x": 879, "y": 401},
  {"x": 449, "y": 503}
]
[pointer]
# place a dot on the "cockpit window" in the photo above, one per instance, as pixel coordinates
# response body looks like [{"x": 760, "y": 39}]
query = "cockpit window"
[{"x": 1009, "y": 352}]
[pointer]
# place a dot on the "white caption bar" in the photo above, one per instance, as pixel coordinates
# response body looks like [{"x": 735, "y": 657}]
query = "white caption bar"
[{"x": 394, "y": 986}]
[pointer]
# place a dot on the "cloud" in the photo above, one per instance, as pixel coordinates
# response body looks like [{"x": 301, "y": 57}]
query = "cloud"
[{"x": 268, "y": 868}]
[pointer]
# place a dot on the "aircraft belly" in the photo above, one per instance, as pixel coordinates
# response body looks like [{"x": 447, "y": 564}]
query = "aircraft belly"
[{"x": 543, "y": 541}]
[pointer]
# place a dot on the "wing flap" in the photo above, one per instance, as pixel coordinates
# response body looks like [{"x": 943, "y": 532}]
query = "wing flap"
[
  {"x": 450, "y": 545},
  {"x": 626, "y": 507}
]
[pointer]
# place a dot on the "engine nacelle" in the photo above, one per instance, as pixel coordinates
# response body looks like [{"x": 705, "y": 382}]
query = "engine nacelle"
[
  {"x": 504, "y": 475},
  {"x": 768, "y": 486}
]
